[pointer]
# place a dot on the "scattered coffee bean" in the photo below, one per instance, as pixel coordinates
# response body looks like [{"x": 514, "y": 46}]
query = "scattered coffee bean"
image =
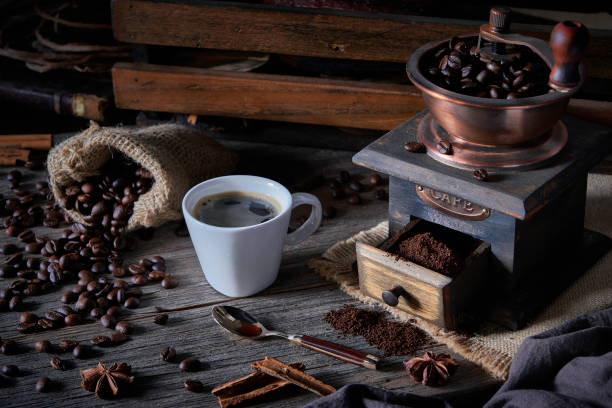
[
  {"x": 123, "y": 327},
  {"x": 118, "y": 338},
  {"x": 381, "y": 194},
  {"x": 161, "y": 319},
  {"x": 9, "y": 249},
  {"x": 107, "y": 321},
  {"x": 189, "y": 364},
  {"x": 480, "y": 174},
  {"x": 132, "y": 302},
  {"x": 43, "y": 346},
  {"x": 10, "y": 370},
  {"x": 168, "y": 354},
  {"x": 356, "y": 186},
  {"x": 194, "y": 386},
  {"x": 43, "y": 385},
  {"x": 156, "y": 276},
  {"x": 101, "y": 341},
  {"x": 59, "y": 364},
  {"x": 9, "y": 347},
  {"x": 72, "y": 319},
  {"x": 80, "y": 351},
  {"x": 169, "y": 282},
  {"x": 28, "y": 317},
  {"x": 67, "y": 345},
  {"x": 354, "y": 199},
  {"x": 444, "y": 146},
  {"x": 329, "y": 211},
  {"x": 414, "y": 147}
]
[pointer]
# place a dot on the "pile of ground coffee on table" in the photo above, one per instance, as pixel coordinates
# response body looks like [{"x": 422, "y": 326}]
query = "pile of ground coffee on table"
[
  {"x": 425, "y": 250},
  {"x": 393, "y": 338}
]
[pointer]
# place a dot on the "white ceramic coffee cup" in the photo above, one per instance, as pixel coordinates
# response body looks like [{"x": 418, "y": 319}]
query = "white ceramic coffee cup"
[{"x": 241, "y": 261}]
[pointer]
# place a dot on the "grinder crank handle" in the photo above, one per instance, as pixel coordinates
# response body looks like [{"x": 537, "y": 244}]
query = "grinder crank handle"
[
  {"x": 568, "y": 41},
  {"x": 334, "y": 350}
]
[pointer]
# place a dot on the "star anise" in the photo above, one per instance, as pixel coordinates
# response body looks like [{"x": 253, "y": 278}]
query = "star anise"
[
  {"x": 106, "y": 382},
  {"x": 431, "y": 369}
]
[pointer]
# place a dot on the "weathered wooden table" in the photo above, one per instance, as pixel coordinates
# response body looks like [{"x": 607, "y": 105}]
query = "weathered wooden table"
[{"x": 295, "y": 303}]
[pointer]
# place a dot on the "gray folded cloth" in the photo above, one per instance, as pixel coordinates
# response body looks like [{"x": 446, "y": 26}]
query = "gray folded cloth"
[{"x": 569, "y": 366}]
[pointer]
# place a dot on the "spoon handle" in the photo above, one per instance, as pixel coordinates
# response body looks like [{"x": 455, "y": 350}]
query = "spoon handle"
[{"x": 334, "y": 350}]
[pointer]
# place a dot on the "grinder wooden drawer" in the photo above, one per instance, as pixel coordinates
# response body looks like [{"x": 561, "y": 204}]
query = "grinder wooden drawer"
[{"x": 419, "y": 290}]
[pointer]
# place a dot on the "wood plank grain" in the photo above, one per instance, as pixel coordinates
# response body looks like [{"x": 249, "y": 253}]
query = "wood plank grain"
[
  {"x": 264, "y": 96},
  {"x": 309, "y": 32}
]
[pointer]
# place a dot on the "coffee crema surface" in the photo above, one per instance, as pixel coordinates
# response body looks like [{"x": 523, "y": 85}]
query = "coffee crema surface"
[{"x": 233, "y": 209}]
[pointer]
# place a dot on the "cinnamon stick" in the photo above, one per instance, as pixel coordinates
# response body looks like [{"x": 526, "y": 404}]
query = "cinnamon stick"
[
  {"x": 251, "y": 386},
  {"x": 36, "y": 141},
  {"x": 10, "y": 157},
  {"x": 275, "y": 368}
]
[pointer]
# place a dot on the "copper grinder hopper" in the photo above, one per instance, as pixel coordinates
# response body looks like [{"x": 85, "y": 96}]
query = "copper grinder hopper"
[{"x": 502, "y": 133}]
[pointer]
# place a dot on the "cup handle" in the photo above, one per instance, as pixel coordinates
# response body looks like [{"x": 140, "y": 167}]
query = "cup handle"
[{"x": 311, "y": 224}]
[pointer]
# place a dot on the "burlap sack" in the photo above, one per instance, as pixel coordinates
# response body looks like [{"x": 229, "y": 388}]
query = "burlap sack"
[{"x": 178, "y": 158}]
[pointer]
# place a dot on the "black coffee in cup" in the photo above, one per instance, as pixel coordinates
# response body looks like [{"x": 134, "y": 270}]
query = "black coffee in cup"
[{"x": 236, "y": 209}]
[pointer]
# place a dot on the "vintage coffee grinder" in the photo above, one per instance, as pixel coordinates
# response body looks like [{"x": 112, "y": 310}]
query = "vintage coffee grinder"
[{"x": 527, "y": 217}]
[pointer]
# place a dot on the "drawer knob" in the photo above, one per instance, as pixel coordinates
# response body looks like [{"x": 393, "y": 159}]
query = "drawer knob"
[{"x": 391, "y": 297}]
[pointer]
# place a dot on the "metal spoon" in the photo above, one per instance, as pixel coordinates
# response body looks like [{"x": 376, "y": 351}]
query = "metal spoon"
[{"x": 243, "y": 324}]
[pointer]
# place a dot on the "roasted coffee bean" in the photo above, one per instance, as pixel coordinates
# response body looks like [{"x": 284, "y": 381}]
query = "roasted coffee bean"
[
  {"x": 381, "y": 194},
  {"x": 101, "y": 341},
  {"x": 67, "y": 345},
  {"x": 13, "y": 231},
  {"x": 454, "y": 61},
  {"x": 55, "y": 317},
  {"x": 72, "y": 319},
  {"x": 480, "y": 174},
  {"x": 512, "y": 95},
  {"x": 15, "y": 303},
  {"x": 118, "y": 338},
  {"x": 96, "y": 313},
  {"x": 10, "y": 370},
  {"x": 114, "y": 311},
  {"x": 123, "y": 327},
  {"x": 43, "y": 384},
  {"x": 482, "y": 76},
  {"x": 132, "y": 302},
  {"x": 27, "y": 317},
  {"x": 64, "y": 310},
  {"x": 84, "y": 304},
  {"x": 7, "y": 271},
  {"x": 58, "y": 364},
  {"x": 189, "y": 364},
  {"x": 334, "y": 184},
  {"x": 414, "y": 147},
  {"x": 138, "y": 280},
  {"x": 375, "y": 179},
  {"x": 9, "y": 249},
  {"x": 45, "y": 323},
  {"x": 107, "y": 321},
  {"x": 9, "y": 347},
  {"x": 14, "y": 176},
  {"x": 80, "y": 351},
  {"x": 161, "y": 319},
  {"x": 156, "y": 275},
  {"x": 494, "y": 93},
  {"x": 194, "y": 386},
  {"x": 26, "y": 236},
  {"x": 133, "y": 291},
  {"x": 356, "y": 186},
  {"x": 29, "y": 327},
  {"x": 328, "y": 212},
  {"x": 159, "y": 267},
  {"x": 494, "y": 67},
  {"x": 354, "y": 199},
  {"x": 158, "y": 259},
  {"x": 444, "y": 146},
  {"x": 98, "y": 268},
  {"x": 338, "y": 193},
  {"x": 136, "y": 269},
  {"x": 169, "y": 282},
  {"x": 68, "y": 297},
  {"x": 168, "y": 354},
  {"x": 43, "y": 346}
]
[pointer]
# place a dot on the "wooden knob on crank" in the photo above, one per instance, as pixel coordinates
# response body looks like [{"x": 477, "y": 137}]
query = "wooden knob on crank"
[{"x": 568, "y": 41}]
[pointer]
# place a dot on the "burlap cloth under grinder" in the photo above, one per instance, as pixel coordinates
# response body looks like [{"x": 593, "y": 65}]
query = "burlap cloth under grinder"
[
  {"x": 493, "y": 347},
  {"x": 177, "y": 156}
]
